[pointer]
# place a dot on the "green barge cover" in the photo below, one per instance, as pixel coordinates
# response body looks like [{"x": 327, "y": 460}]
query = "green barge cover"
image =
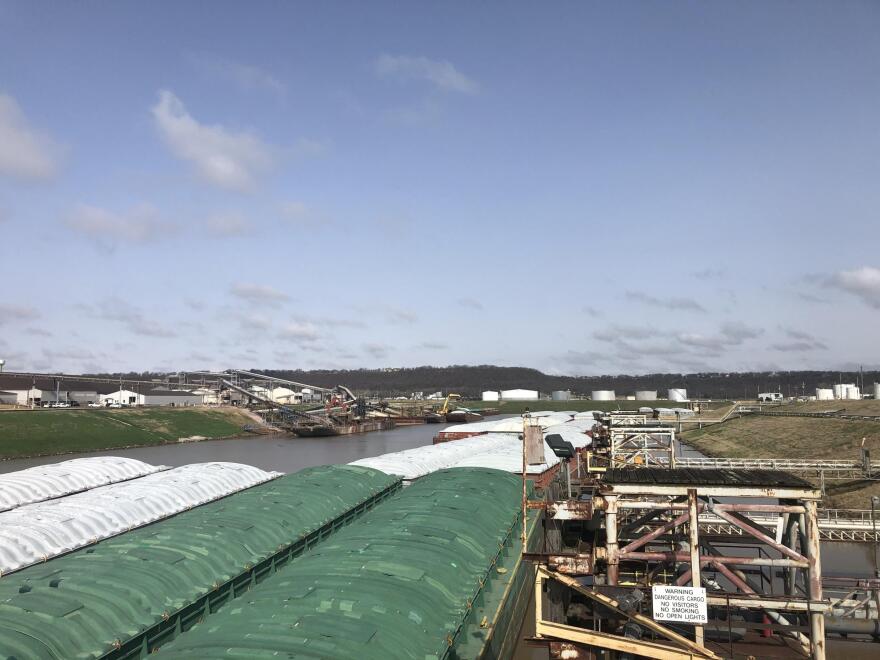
[
  {"x": 125, "y": 596},
  {"x": 400, "y": 582}
]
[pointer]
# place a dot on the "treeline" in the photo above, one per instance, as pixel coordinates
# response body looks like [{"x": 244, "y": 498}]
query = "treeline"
[{"x": 471, "y": 381}]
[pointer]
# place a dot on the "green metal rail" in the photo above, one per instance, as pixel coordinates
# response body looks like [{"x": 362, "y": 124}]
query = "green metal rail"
[{"x": 125, "y": 596}]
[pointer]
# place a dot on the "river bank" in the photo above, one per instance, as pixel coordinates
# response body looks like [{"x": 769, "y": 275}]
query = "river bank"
[
  {"x": 755, "y": 436},
  {"x": 32, "y": 433}
]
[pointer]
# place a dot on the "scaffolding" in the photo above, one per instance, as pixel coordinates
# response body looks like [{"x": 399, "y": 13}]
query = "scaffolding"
[{"x": 643, "y": 528}]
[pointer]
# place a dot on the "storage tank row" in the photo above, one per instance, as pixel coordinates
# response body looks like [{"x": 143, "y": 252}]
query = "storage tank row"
[
  {"x": 843, "y": 391},
  {"x": 410, "y": 579},
  {"x": 126, "y": 595}
]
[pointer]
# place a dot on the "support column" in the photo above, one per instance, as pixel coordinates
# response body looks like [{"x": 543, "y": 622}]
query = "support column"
[
  {"x": 611, "y": 546},
  {"x": 817, "y": 619},
  {"x": 694, "y": 533}
]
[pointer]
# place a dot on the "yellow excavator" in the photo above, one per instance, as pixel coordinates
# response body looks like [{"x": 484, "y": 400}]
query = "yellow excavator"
[{"x": 458, "y": 414}]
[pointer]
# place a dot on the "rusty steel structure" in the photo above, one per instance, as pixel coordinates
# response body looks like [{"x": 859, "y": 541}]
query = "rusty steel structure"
[
  {"x": 641, "y": 446},
  {"x": 637, "y": 528}
]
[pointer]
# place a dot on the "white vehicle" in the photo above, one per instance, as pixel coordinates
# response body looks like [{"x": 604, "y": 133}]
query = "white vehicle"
[
  {"x": 62, "y": 404},
  {"x": 94, "y": 404},
  {"x": 770, "y": 397},
  {"x": 115, "y": 405}
]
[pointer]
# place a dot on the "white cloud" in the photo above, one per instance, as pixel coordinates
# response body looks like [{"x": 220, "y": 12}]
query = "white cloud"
[
  {"x": 799, "y": 342},
  {"x": 299, "y": 332},
  {"x": 259, "y": 293},
  {"x": 377, "y": 350},
  {"x": 138, "y": 323},
  {"x": 397, "y": 315},
  {"x": 440, "y": 73},
  {"x": 300, "y": 215},
  {"x": 25, "y": 153},
  {"x": 10, "y": 313},
  {"x": 244, "y": 76},
  {"x": 225, "y": 158},
  {"x": 864, "y": 283},
  {"x": 140, "y": 224},
  {"x": 470, "y": 303},
  {"x": 228, "y": 224},
  {"x": 675, "y": 304}
]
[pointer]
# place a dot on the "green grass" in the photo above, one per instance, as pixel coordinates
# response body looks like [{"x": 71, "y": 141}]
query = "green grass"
[
  {"x": 796, "y": 437},
  {"x": 46, "y": 432}
]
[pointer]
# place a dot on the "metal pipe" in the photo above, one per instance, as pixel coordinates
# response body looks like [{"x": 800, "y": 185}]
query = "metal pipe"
[
  {"x": 611, "y": 546},
  {"x": 694, "y": 539},
  {"x": 682, "y": 506},
  {"x": 850, "y": 626},
  {"x": 745, "y": 587},
  {"x": 736, "y": 561},
  {"x": 790, "y": 573}
]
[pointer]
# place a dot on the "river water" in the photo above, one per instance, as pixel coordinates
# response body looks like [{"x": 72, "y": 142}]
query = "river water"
[{"x": 276, "y": 452}]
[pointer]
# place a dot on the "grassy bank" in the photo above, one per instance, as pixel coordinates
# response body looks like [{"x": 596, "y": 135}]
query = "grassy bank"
[
  {"x": 798, "y": 437},
  {"x": 46, "y": 432}
]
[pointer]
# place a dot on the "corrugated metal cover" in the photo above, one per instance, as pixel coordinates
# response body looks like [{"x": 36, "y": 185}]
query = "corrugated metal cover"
[
  {"x": 80, "y": 604},
  {"x": 397, "y": 583},
  {"x": 45, "y": 482},
  {"x": 36, "y": 532}
]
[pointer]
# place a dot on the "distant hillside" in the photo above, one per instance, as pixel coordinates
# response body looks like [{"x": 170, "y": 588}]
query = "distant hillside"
[{"x": 470, "y": 381}]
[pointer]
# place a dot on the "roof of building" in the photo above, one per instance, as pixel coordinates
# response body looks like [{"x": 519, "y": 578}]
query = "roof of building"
[
  {"x": 163, "y": 392},
  {"x": 15, "y": 382}
]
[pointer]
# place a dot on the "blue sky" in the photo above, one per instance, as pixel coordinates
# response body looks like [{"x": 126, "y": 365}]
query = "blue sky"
[{"x": 577, "y": 187}]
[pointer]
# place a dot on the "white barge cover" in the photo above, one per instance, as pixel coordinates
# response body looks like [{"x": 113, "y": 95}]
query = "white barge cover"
[
  {"x": 37, "y": 532},
  {"x": 46, "y": 482},
  {"x": 493, "y": 450}
]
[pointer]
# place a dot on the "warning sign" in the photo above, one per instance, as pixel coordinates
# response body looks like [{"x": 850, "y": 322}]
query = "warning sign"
[{"x": 682, "y": 604}]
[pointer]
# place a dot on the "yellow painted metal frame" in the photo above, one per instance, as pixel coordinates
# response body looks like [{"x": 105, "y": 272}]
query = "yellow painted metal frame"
[{"x": 604, "y": 640}]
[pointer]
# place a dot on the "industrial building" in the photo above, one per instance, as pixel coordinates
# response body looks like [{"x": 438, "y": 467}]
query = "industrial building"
[
  {"x": 156, "y": 397},
  {"x": 491, "y": 395},
  {"x": 41, "y": 390}
]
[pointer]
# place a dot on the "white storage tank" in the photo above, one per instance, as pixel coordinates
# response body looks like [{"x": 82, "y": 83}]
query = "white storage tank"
[
  {"x": 490, "y": 395},
  {"x": 519, "y": 395},
  {"x": 853, "y": 392},
  {"x": 841, "y": 388},
  {"x": 877, "y": 391},
  {"x": 603, "y": 395},
  {"x": 824, "y": 394},
  {"x": 677, "y": 394},
  {"x": 646, "y": 395},
  {"x": 560, "y": 395}
]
